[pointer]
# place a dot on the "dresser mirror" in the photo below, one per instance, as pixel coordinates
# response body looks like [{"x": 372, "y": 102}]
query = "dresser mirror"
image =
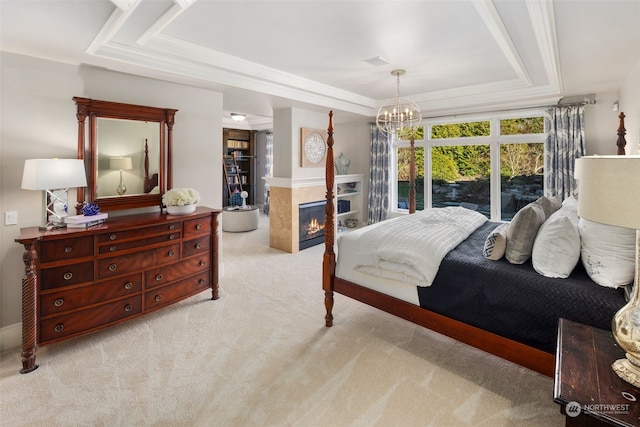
[{"x": 127, "y": 153}]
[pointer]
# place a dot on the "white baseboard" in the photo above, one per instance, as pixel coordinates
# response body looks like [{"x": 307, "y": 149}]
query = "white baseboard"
[{"x": 10, "y": 336}]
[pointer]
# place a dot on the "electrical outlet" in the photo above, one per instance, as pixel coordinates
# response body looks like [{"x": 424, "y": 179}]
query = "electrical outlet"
[{"x": 10, "y": 218}]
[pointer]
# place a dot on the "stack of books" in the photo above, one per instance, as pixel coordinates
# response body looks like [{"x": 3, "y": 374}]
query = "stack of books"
[{"x": 82, "y": 221}]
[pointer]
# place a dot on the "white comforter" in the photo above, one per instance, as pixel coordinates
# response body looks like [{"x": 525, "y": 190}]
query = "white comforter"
[{"x": 410, "y": 249}]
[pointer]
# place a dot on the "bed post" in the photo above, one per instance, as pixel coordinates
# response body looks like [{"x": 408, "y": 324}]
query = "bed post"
[
  {"x": 621, "y": 132},
  {"x": 329, "y": 260},
  {"x": 412, "y": 176}
]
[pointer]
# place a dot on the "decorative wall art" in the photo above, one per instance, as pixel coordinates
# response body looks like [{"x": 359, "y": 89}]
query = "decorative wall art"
[{"x": 313, "y": 147}]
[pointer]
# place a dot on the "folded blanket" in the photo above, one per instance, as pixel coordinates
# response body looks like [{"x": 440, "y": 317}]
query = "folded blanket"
[{"x": 410, "y": 249}]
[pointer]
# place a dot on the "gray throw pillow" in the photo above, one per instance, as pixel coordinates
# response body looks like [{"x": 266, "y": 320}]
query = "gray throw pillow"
[
  {"x": 549, "y": 204},
  {"x": 523, "y": 231}
]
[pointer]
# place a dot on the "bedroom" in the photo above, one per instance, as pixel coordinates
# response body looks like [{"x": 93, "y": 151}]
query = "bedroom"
[{"x": 39, "y": 90}]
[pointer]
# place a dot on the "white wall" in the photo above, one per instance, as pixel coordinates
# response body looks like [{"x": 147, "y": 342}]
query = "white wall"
[
  {"x": 38, "y": 121},
  {"x": 601, "y": 125}
]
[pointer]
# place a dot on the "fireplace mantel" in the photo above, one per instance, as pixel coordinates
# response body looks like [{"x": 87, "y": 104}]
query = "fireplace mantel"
[
  {"x": 285, "y": 194},
  {"x": 308, "y": 182},
  {"x": 294, "y": 182}
]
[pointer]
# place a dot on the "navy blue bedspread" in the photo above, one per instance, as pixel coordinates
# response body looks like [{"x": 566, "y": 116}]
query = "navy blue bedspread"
[{"x": 513, "y": 300}]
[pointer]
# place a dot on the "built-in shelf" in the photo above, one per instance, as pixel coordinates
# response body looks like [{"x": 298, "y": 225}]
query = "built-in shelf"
[{"x": 349, "y": 203}]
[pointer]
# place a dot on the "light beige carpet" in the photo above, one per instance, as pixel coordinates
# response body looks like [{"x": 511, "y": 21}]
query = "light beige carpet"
[{"x": 261, "y": 356}]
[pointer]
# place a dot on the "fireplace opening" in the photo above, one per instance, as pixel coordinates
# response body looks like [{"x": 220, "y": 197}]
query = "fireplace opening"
[{"x": 311, "y": 223}]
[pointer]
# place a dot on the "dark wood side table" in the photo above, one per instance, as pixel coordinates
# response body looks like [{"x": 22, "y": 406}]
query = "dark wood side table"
[{"x": 584, "y": 377}]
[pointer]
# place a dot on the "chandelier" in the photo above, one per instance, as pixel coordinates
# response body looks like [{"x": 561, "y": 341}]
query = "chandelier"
[{"x": 397, "y": 114}]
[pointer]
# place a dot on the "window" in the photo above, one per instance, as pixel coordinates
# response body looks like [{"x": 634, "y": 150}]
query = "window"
[{"x": 492, "y": 164}]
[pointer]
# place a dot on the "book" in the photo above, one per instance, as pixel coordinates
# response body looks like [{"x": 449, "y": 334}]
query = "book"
[
  {"x": 81, "y": 219},
  {"x": 86, "y": 224}
]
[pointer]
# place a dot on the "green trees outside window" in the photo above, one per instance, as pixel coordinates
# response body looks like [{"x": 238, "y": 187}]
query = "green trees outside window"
[{"x": 461, "y": 172}]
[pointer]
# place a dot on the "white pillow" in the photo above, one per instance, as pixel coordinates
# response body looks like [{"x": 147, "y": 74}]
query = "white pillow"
[
  {"x": 608, "y": 253},
  {"x": 496, "y": 242},
  {"x": 556, "y": 250},
  {"x": 571, "y": 202}
]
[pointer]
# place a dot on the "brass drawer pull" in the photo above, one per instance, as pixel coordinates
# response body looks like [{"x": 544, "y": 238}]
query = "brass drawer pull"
[
  {"x": 128, "y": 307},
  {"x": 171, "y": 253},
  {"x": 113, "y": 267},
  {"x": 59, "y": 327},
  {"x": 198, "y": 226},
  {"x": 128, "y": 285},
  {"x": 68, "y": 275},
  {"x": 158, "y": 298},
  {"x": 58, "y": 302},
  {"x": 112, "y": 248},
  {"x": 112, "y": 237},
  {"x": 158, "y": 276},
  {"x": 172, "y": 227},
  {"x": 172, "y": 237},
  {"x": 201, "y": 281},
  {"x": 198, "y": 245},
  {"x": 203, "y": 262},
  {"x": 68, "y": 249}
]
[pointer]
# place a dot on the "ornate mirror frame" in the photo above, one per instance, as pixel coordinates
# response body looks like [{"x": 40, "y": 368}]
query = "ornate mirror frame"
[{"x": 95, "y": 109}]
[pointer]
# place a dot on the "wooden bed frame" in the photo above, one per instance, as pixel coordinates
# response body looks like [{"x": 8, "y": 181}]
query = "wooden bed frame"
[
  {"x": 149, "y": 182},
  {"x": 513, "y": 351}
]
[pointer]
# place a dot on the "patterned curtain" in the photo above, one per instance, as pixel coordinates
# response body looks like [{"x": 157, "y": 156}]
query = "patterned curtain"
[
  {"x": 379, "y": 165},
  {"x": 565, "y": 143}
]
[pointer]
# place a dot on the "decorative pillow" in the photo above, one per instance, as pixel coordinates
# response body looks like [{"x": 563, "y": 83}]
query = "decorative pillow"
[
  {"x": 556, "y": 250},
  {"x": 571, "y": 202},
  {"x": 608, "y": 253},
  {"x": 496, "y": 242},
  {"x": 522, "y": 233},
  {"x": 549, "y": 204}
]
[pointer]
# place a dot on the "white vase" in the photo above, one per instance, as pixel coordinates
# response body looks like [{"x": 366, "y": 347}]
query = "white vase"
[{"x": 181, "y": 210}]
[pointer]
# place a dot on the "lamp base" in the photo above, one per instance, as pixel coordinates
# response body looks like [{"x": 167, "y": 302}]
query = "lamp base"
[{"x": 627, "y": 371}]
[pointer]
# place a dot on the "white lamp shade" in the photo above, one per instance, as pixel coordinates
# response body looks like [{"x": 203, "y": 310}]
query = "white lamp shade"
[
  {"x": 609, "y": 190},
  {"x": 120, "y": 163},
  {"x": 49, "y": 174}
]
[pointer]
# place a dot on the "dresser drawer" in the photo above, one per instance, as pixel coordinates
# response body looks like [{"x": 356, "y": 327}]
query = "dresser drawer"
[
  {"x": 81, "y": 321},
  {"x": 113, "y": 247},
  {"x": 117, "y": 236},
  {"x": 109, "y": 267},
  {"x": 164, "y": 275},
  {"x": 166, "y": 295},
  {"x": 66, "y": 249},
  {"x": 197, "y": 226},
  {"x": 196, "y": 246},
  {"x": 73, "y": 299},
  {"x": 66, "y": 275}
]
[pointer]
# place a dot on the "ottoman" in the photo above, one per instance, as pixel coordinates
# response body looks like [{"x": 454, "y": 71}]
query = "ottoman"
[{"x": 237, "y": 220}]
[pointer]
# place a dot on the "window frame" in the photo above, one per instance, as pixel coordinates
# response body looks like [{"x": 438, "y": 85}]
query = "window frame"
[{"x": 494, "y": 140}]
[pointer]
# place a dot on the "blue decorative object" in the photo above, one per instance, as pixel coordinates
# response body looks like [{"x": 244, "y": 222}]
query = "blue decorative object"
[
  {"x": 90, "y": 209},
  {"x": 235, "y": 199}
]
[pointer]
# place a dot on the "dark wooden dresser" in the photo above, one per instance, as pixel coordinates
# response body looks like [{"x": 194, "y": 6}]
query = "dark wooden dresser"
[{"x": 80, "y": 280}]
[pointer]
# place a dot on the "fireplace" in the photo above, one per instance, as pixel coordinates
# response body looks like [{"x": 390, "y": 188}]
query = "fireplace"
[{"x": 311, "y": 223}]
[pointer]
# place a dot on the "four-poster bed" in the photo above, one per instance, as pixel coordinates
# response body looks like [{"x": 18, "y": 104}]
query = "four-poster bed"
[{"x": 463, "y": 302}]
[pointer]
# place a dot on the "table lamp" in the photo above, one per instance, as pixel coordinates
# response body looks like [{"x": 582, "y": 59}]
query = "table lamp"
[
  {"x": 609, "y": 193},
  {"x": 121, "y": 163},
  {"x": 54, "y": 177}
]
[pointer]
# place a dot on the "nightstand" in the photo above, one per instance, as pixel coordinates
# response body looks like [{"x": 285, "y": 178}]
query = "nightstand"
[{"x": 586, "y": 387}]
